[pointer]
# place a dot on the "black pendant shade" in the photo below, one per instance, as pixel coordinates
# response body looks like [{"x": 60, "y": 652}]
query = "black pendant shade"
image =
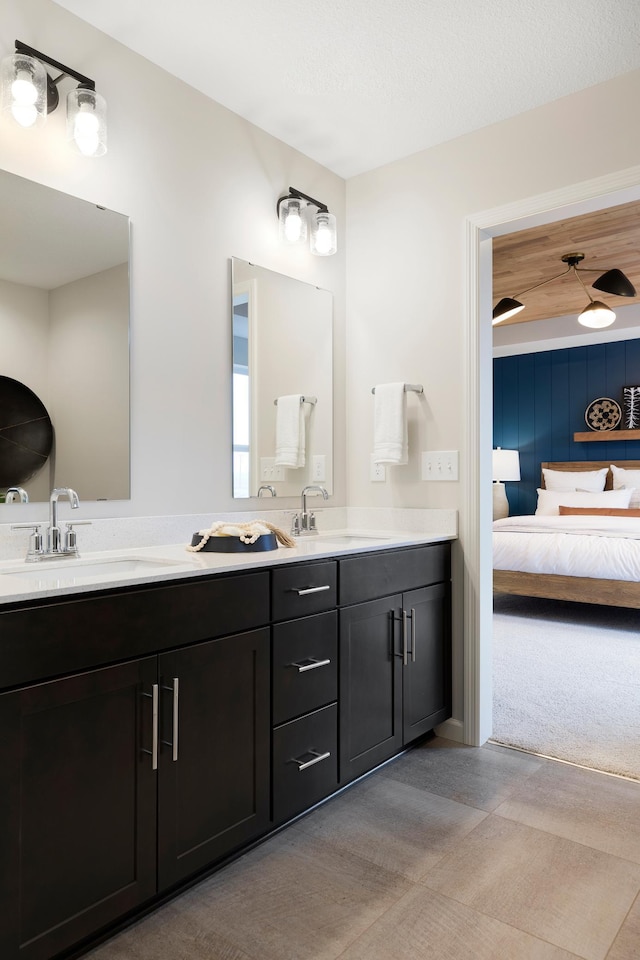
[{"x": 614, "y": 281}]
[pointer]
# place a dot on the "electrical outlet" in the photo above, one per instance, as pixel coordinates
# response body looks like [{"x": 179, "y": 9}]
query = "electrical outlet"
[
  {"x": 377, "y": 472},
  {"x": 318, "y": 467},
  {"x": 440, "y": 465}
]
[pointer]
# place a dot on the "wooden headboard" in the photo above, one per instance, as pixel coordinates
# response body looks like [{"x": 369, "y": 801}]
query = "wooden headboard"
[{"x": 575, "y": 465}]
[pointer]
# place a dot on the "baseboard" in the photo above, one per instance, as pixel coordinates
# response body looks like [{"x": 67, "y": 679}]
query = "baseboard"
[{"x": 451, "y": 730}]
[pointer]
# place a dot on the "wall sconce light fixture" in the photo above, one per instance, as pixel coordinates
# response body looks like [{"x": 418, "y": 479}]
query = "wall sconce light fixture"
[
  {"x": 29, "y": 93},
  {"x": 293, "y": 216},
  {"x": 596, "y": 314}
]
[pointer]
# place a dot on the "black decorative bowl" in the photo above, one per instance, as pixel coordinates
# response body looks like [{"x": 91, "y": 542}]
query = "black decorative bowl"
[{"x": 268, "y": 541}]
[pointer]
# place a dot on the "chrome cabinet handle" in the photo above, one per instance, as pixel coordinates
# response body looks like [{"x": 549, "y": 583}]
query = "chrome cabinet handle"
[
  {"x": 317, "y": 758},
  {"x": 175, "y": 690},
  {"x": 413, "y": 634},
  {"x": 405, "y": 651},
  {"x": 310, "y": 664},
  {"x": 154, "y": 725},
  {"x": 305, "y": 590}
]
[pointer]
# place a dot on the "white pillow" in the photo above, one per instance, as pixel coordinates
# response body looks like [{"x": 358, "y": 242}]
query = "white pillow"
[
  {"x": 550, "y": 500},
  {"x": 592, "y": 480},
  {"x": 624, "y": 479}
]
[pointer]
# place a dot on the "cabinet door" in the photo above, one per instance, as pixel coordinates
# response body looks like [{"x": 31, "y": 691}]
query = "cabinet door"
[
  {"x": 427, "y": 674},
  {"x": 370, "y": 686},
  {"x": 77, "y": 809},
  {"x": 214, "y": 766}
]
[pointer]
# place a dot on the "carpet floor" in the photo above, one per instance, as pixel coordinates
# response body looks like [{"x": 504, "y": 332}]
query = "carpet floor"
[{"x": 566, "y": 681}]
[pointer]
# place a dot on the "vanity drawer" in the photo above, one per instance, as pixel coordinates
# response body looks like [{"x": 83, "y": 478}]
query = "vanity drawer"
[
  {"x": 305, "y": 762},
  {"x": 305, "y": 665},
  {"x": 303, "y": 588},
  {"x": 376, "y": 575}
]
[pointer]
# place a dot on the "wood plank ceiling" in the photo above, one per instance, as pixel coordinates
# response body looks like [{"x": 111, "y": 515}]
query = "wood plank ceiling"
[{"x": 608, "y": 238}]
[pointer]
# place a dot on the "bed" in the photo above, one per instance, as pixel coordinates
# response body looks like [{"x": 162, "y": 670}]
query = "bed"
[{"x": 586, "y": 557}]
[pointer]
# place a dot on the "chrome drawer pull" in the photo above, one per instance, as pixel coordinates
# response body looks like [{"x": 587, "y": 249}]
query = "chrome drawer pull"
[
  {"x": 154, "y": 714},
  {"x": 310, "y": 664},
  {"x": 175, "y": 691},
  {"x": 413, "y": 635},
  {"x": 305, "y": 590},
  {"x": 317, "y": 757}
]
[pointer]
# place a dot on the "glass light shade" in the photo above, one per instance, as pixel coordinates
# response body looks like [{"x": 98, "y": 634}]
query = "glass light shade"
[
  {"x": 505, "y": 308},
  {"x": 506, "y": 464},
  {"x": 323, "y": 234},
  {"x": 292, "y": 221},
  {"x": 24, "y": 90},
  {"x": 596, "y": 315},
  {"x": 87, "y": 121}
]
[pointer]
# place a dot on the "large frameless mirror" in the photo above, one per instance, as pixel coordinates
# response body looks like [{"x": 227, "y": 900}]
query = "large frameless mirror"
[
  {"x": 282, "y": 348},
  {"x": 64, "y": 330}
]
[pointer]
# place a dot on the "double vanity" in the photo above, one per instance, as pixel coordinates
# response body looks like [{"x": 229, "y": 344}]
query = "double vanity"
[{"x": 163, "y": 710}]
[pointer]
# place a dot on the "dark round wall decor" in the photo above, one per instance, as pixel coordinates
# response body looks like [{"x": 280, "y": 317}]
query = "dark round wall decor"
[{"x": 26, "y": 433}]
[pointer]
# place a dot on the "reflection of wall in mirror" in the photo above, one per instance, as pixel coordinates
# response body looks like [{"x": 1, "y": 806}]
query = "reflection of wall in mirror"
[
  {"x": 294, "y": 357},
  {"x": 67, "y": 345}
]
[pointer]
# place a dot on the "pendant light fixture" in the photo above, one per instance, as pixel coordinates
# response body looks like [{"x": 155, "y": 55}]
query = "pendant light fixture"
[
  {"x": 29, "y": 93},
  {"x": 294, "y": 218},
  {"x": 596, "y": 314}
]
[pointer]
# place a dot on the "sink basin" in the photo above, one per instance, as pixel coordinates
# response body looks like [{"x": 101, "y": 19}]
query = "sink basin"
[
  {"x": 68, "y": 572},
  {"x": 348, "y": 539}
]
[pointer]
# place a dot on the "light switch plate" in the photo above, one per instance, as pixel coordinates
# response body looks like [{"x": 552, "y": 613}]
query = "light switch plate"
[
  {"x": 269, "y": 471},
  {"x": 440, "y": 465}
]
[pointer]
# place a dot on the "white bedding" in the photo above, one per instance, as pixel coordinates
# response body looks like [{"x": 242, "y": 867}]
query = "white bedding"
[{"x": 574, "y": 546}]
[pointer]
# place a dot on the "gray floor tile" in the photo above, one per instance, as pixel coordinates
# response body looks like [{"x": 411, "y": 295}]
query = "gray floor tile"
[
  {"x": 481, "y": 778},
  {"x": 582, "y": 805},
  {"x": 394, "y": 825},
  {"x": 427, "y": 926},
  {"x": 626, "y": 946},
  {"x": 560, "y": 891}
]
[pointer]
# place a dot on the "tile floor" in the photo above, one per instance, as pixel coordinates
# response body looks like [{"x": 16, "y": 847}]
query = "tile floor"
[{"x": 447, "y": 853}]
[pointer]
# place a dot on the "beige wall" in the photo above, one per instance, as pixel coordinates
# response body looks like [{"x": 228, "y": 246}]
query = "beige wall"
[{"x": 200, "y": 186}]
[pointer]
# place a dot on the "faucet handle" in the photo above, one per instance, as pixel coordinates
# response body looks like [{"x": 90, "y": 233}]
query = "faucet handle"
[
  {"x": 36, "y": 546},
  {"x": 70, "y": 539}
]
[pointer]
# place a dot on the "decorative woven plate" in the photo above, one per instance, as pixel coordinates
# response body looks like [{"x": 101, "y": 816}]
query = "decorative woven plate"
[{"x": 603, "y": 414}]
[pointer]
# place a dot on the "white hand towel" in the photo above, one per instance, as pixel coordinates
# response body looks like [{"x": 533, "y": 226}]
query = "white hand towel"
[
  {"x": 390, "y": 424},
  {"x": 290, "y": 431}
]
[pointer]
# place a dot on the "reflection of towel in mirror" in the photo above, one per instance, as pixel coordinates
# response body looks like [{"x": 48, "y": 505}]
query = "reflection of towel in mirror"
[
  {"x": 290, "y": 431},
  {"x": 390, "y": 424}
]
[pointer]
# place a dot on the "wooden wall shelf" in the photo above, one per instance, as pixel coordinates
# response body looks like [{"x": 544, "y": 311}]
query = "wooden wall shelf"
[{"x": 612, "y": 435}]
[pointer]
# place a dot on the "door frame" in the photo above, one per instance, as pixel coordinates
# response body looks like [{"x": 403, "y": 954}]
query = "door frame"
[{"x": 475, "y": 529}]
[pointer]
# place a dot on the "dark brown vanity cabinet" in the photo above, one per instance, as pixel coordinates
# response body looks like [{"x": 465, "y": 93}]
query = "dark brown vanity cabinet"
[
  {"x": 305, "y": 687},
  {"x": 77, "y": 807},
  {"x": 395, "y": 653},
  {"x": 149, "y": 733},
  {"x": 122, "y": 780}
]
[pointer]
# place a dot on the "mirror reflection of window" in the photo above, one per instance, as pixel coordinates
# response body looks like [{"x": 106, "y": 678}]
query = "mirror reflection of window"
[{"x": 241, "y": 396}]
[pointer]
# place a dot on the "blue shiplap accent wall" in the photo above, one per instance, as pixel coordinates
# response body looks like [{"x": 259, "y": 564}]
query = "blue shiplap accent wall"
[{"x": 539, "y": 400}]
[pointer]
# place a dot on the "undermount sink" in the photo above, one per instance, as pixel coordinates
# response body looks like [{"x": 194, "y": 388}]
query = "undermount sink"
[
  {"x": 348, "y": 539},
  {"x": 83, "y": 571}
]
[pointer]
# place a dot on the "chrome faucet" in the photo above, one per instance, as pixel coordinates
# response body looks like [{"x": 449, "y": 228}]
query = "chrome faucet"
[
  {"x": 56, "y": 545},
  {"x": 304, "y": 523},
  {"x": 54, "y": 539},
  {"x": 16, "y": 493},
  {"x": 267, "y": 486}
]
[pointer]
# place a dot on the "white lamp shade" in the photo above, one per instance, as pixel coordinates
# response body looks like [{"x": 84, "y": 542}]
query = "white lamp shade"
[{"x": 506, "y": 464}]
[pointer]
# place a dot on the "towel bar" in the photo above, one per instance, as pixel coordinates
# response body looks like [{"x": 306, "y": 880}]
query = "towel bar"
[
  {"x": 408, "y": 388},
  {"x": 311, "y": 400}
]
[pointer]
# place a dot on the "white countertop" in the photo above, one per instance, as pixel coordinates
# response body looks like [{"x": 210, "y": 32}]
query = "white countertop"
[{"x": 22, "y": 581}]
